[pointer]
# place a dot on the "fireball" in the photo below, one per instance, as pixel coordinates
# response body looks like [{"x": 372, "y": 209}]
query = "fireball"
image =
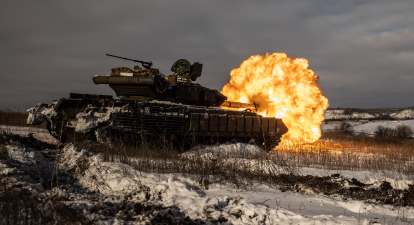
[{"x": 282, "y": 87}]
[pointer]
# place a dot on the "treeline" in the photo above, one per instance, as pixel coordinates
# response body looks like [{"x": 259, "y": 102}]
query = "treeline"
[{"x": 381, "y": 132}]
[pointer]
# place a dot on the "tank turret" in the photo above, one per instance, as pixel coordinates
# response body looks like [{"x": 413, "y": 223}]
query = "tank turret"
[{"x": 150, "y": 84}]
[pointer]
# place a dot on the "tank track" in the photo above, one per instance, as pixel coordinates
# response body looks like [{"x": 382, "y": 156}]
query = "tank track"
[{"x": 174, "y": 121}]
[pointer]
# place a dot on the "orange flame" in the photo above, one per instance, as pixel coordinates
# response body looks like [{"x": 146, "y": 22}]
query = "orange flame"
[{"x": 282, "y": 87}]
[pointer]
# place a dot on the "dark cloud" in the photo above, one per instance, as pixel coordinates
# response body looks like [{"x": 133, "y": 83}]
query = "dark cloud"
[{"x": 362, "y": 50}]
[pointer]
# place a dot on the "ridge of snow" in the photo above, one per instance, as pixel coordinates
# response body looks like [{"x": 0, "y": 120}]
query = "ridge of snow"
[{"x": 405, "y": 114}]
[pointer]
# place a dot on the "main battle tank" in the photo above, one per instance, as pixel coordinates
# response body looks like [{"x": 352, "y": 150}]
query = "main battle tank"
[{"x": 153, "y": 106}]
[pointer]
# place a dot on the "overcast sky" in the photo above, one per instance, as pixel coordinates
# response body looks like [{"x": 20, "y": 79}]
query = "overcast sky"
[{"x": 362, "y": 51}]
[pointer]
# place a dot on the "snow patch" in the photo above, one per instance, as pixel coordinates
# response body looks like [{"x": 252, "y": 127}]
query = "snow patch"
[
  {"x": 39, "y": 113},
  {"x": 370, "y": 127},
  {"x": 225, "y": 150},
  {"x": 94, "y": 117}
]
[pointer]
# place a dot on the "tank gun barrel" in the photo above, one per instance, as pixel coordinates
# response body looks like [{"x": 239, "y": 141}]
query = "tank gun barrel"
[
  {"x": 238, "y": 105},
  {"x": 147, "y": 65}
]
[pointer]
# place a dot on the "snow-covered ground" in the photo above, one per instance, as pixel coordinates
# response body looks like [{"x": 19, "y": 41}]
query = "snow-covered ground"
[
  {"x": 38, "y": 133},
  {"x": 344, "y": 114},
  {"x": 339, "y": 115},
  {"x": 103, "y": 185},
  {"x": 367, "y": 127}
]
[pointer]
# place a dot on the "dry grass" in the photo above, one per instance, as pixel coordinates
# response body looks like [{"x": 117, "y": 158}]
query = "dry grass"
[
  {"x": 21, "y": 206},
  {"x": 337, "y": 151},
  {"x": 160, "y": 157},
  {"x": 16, "y": 117}
]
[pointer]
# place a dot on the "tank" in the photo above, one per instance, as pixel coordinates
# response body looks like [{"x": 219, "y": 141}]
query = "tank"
[{"x": 151, "y": 105}]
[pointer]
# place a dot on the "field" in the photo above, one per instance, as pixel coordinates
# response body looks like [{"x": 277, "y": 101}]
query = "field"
[{"x": 344, "y": 178}]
